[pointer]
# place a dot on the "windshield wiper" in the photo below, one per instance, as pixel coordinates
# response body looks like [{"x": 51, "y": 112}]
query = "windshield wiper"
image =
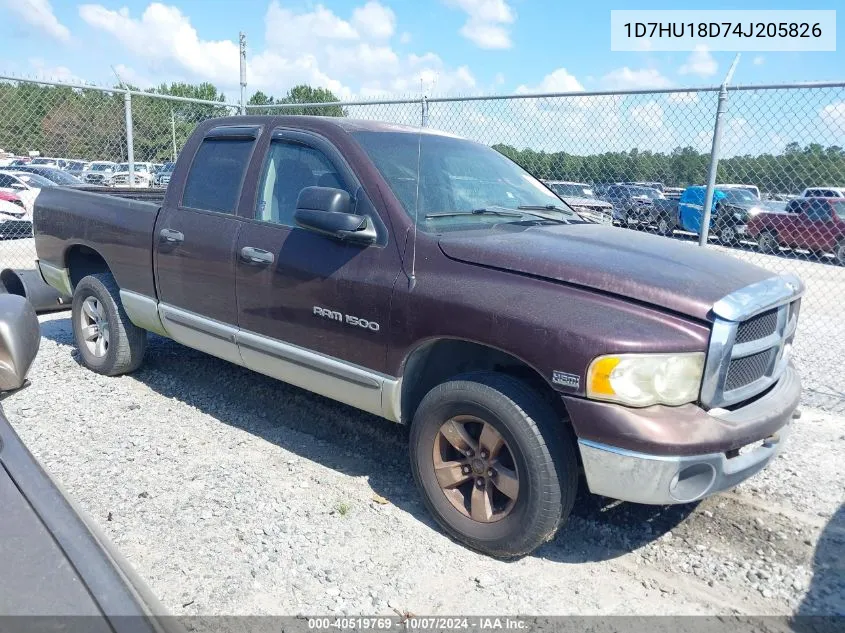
[
  {"x": 450, "y": 214},
  {"x": 547, "y": 207}
]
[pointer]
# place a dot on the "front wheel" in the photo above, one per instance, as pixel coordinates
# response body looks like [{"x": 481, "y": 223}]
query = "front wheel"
[
  {"x": 728, "y": 235},
  {"x": 768, "y": 244},
  {"x": 664, "y": 228},
  {"x": 495, "y": 465},
  {"x": 108, "y": 342},
  {"x": 840, "y": 253}
]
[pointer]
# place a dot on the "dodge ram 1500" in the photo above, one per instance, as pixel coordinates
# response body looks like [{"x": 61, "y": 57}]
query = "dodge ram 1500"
[{"x": 429, "y": 280}]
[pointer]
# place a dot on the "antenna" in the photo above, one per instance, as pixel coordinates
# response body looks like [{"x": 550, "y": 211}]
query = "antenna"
[{"x": 412, "y": 280}]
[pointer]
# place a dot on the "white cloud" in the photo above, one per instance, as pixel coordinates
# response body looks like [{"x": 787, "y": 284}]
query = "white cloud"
[
  {"x": 649, "y": 114},
  {"x": 559, "y": 80},
  {"x": 405, "y": 38},
  {"x": 759, "y": 60},
  {"x": 679, "y": 98},
  {"x": 39, "y": 14},
  {"x": 163, "y": 34},
  {"x": 54, "y": 73},
  {"x": 374, "y": 19},
  {"x": 487, "y": 22},
  {"x": 349, "y": 56},
  {"x": 833, "y": 115},
  {"x": 700, "y": 62},
  {"x": 627, "y": 79}
]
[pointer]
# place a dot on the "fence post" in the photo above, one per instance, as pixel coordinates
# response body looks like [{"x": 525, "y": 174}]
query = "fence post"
[
  {"x": 130, "y": 146},
  {"x": 424, "y": 112},
  {"x": 242, "y": 40},
  {"x": 704, "y": 232}
]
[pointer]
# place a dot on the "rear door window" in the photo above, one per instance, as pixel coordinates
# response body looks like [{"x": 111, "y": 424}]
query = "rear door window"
[{"x": 216, "y": 175}]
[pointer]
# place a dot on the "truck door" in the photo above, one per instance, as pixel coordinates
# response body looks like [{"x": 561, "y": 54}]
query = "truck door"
[
  {"x": 818, "y": 233},
  {"x": 195, "y": 241},
  {"x": 313, "y": 310}
]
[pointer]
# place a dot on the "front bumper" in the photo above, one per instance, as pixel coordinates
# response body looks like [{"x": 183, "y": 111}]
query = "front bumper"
[{"x": 677, "y": 458}]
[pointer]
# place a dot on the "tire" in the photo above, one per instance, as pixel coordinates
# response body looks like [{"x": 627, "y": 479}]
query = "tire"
[
  {"x": 767, "y": 243},
  {"x": 541, "y": 450},
  {"x": 839, "y": 253},
  {"x": 125, "y": 343},
  {"x": 728, "y": 235}
]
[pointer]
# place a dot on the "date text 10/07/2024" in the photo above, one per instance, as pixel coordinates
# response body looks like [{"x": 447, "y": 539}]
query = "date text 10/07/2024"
[{"x": 417, "y": 623}]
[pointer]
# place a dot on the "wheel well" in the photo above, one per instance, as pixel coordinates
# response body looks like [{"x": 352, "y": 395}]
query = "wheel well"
[
  {"x": 438, "y": 361},
  {"x": 82, "y": 261}
]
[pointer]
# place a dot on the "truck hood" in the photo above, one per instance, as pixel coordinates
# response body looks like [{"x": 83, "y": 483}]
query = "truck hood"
[
  {"x": 587, "y": 202},
  {"x": 670, "y": 274}
]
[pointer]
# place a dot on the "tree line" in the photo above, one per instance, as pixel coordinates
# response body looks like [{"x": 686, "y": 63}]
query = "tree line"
[
  {"x": 91, "y": 124},
  {"x": 791, "y": 171}
]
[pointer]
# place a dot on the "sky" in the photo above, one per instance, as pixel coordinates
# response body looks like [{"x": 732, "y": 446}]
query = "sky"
[{"x": 363, "y": 49}]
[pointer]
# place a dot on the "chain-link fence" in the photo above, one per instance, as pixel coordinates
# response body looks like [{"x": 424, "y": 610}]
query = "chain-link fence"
[
  {"x": 637, "y": 159},
  {"x": 54, "y": 133}
]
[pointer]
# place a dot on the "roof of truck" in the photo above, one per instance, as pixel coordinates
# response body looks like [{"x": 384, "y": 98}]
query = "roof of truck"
[{"x": 344, "y": 123}]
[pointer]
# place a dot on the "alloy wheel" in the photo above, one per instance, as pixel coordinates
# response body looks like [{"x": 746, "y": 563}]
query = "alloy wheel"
[
  {"x": 475, "y": 469},
  {"x": 94, "y": 326}
]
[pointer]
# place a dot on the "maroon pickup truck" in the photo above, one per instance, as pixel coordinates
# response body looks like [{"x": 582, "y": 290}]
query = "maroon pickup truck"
[
  {"x": 814, "y": 224},
  {"x": 429, "y": 280}
]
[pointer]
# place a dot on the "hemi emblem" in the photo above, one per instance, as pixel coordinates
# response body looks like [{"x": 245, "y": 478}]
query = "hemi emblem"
[{"x": 563, "y": 379}]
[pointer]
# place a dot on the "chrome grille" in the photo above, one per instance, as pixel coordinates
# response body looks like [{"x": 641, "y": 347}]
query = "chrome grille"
[
  {"x": 752, "y": 329},
  {"x": 744, "y": 371},
  {"x": 757, "y": 327}
]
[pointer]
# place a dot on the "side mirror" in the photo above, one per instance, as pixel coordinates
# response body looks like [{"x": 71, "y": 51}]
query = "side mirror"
[
  {"x": 326, "y": 210},
  {"x": 20, "y": 337}
]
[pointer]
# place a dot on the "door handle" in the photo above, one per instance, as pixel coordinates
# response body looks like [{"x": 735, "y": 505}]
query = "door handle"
[
  {"x": 252, "y": 255},
  {"x": 171, "y": 236}
]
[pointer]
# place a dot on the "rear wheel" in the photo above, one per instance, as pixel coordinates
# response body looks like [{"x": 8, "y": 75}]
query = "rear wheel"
[
  {"x": 108, "y": 342},
  {"x": 728, "y": 235},
  {"x": 495, "y": 464},
  {"x": 768, "y": 243},
  {"x": 840, "y": 253}
]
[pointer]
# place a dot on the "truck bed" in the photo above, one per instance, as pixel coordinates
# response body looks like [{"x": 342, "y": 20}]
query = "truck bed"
[{"x": 113, "y": 222}]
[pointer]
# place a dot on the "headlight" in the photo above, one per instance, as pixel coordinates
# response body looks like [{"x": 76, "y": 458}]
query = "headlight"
[{"x": 640, "y": 380}]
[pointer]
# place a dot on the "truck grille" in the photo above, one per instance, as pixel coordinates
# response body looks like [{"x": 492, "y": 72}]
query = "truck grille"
[
  {"x": 748, "y": 354},
  {"x": 757, "y": 327}
]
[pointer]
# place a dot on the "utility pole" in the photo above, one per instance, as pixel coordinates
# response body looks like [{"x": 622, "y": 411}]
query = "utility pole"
[{"x": 242, "y": 41}]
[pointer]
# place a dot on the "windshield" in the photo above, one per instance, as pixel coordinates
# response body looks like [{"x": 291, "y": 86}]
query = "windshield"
[
  {"x": 43, "y": 161},
  {"x": 740, "y": 196},
  {"x": 572, "y": 190},
  {"x": 456, "y": 175},
  {"x": 34, "y": 180},
  {"x": 654, "y": 194},
  {"x": 59, "y": 177},
  {"x": 101, "y": 166}
]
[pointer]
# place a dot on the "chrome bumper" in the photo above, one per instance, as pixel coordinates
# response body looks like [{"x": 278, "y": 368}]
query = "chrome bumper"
[{"x": 669, "y": 479}]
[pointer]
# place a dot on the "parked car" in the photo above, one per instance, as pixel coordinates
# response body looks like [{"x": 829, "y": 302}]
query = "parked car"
[
  {"x": 580, "y": 197},
  {"x": 430, "y": 280},
  {"x": 45, "y": 161},
  {"x": 732, "y": 208},
  {"x": 673, "y": 193},
  {"x": 75, "y": 168},
  {"x": 15, "y": 220},
  {"x": 814, "y": 224},
  {"x": 651, "y": 185},
  {"x": 99, "y": 172},
  {"x": 53, "y": 174},
  {"x": 12, "y": 198},
  {"x": 143, "y": 175},
  {"x": 162, "y": 176},
  {"x": 631, "y": 203},
  {"x": 823, "y": 192},
  {"x": 752, "y": 189},
  {"x": 25, "y": 185},
  {"x": 59, "y": 570}
]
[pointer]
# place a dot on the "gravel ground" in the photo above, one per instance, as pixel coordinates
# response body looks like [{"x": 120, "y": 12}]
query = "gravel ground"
[{"x": 231, "y": 493}]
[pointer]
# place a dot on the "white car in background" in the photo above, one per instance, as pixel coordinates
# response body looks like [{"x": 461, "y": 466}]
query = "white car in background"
[
  {"x": 824, "y": 192},
  {"x": 143, "y": 175},
  {"x": 26, "y": 185},
  {"x": 99, "y": 172}
]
